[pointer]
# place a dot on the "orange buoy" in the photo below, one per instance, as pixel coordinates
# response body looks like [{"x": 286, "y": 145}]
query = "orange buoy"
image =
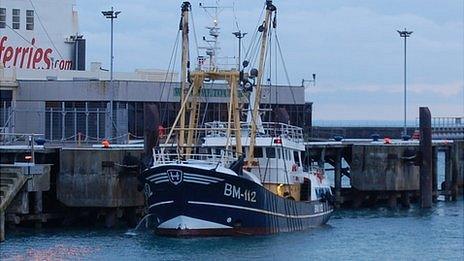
[
  {"x": 105, "y": 143},
  {"x": 387, "y": 141}
]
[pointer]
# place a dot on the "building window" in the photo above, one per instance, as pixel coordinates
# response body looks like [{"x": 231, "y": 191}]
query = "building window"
[
  {"x": 16, "y": 19},
  {"x": 2, "y": 17},
  {"x": 29, "y": 19}
]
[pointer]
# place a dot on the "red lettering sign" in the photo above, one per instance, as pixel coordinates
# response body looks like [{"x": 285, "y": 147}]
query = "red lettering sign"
[{"x": 30, "y": 57}]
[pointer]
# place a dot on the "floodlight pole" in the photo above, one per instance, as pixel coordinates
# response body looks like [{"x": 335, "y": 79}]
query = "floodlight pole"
[
  {"x": 405, "y": 34},
  {"x": 111, "y": 15}
]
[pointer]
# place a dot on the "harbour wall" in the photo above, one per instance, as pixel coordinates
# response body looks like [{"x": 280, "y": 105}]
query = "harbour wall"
[{"x": 90, "y": 185}]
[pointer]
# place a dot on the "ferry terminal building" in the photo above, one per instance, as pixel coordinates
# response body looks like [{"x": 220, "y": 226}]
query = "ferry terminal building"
[{"x": 52, "y": 93}]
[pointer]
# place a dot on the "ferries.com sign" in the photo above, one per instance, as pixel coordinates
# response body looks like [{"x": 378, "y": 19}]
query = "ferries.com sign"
[{"x": 31, "y": 56}]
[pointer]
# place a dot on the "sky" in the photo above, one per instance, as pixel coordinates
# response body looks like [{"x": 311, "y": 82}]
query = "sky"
[{"x": 352, "y": 47}]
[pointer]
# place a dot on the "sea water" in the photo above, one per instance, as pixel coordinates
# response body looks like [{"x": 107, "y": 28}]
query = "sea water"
[
  {"x": 374, "y": 234},
  {"x": 377, "y": 233}
]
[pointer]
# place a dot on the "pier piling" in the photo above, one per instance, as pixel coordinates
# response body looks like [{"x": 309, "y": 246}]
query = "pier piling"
[
  {"x": 321, "y": 161},
  {"x": 457, "y": 170},
  {"x": 448, "y": 175},
  {"x": 338, "y": 177},
  {"x": 425, "y": 122},
  {"x": 405, "y": 200},
  {"x": 38, "y": 207},
  {"x": 434, "y": 174},
  {"x": 2, "y": 225},
  {"x": 393, "y": 200}
]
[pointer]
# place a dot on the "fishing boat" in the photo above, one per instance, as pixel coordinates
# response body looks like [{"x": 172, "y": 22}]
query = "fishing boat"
[{"x": 235, "y": 177}]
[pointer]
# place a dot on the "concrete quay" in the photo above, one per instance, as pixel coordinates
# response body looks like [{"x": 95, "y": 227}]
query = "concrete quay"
[{"x": 85, "y": 184}]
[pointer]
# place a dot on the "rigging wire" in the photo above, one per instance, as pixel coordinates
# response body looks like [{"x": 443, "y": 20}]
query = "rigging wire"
[
  {"x": 20, "y": 35},
  {"x": 45, "y": 29},
  {"x": 206, "y": 105},
  {"x": 269, "y": 79},
  {"x": 255, "y": 31},
  {"x": 255, "y": 52},
  {"x": 285, "y": 68},
  {"x": 170, "y": 89},
  {"x": 172, "y": 60},
  {"x": 195, "y": 34},
  {"x": 235, "y": 17}
]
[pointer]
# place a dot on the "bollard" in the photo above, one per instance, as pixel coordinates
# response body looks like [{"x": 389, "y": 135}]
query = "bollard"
[{"x": 425, "y": 122}]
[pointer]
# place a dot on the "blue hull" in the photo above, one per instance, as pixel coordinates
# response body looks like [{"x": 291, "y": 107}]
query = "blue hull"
[{"x": 188, "y": 201}]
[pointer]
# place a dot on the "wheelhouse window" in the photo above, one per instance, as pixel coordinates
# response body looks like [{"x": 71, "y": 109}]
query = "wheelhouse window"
[
  {"x": 217, "y": 151},
  {"x": 16, "y": 19},
  {"x": 29, "y": 19},
  {"x": 258, "y": 152},
  {"x": 2, "y": 17},
  {"x": 270, "y": 153},
  {"x": 297, "y": 158}
]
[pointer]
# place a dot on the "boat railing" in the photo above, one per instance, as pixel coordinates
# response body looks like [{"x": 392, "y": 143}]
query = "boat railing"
[
  {"x": 269, "y": 129},
  {"x": 161, "y": 156}
]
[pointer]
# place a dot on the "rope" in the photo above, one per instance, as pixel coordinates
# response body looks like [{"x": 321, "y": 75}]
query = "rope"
[
  {"x": 255, "y": 31},
  {"x": 172, "y": 61},
  {"x": 284, "y": 67},
  {"x": 195, "y": 34},
  {"x": 20, "y": 35}
]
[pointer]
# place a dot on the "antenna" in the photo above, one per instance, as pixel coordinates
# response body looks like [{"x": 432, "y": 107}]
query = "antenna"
[{"x": 212, "y": 48}]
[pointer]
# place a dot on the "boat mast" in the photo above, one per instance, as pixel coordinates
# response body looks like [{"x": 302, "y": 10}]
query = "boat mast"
[
  {"x": 184, "y": 67},
  {"x": 191, "y": 86},
  {"x": 264, "y": 29}
]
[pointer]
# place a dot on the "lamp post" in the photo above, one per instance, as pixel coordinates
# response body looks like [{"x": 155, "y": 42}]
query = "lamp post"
[
  {"x": 405, "y": 34},
  {"x": 111, "y": 14},
  {"x": 312, "y": 82},
  {"x": 239, "y": 35}
]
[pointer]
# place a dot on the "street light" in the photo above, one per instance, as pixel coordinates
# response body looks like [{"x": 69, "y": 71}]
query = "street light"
[
  {"x": 111, "y": 15},
  {"x": 239, "y": 35},
  {"x": 311, "y": 82},
  {"x": 405, "y": 34}
]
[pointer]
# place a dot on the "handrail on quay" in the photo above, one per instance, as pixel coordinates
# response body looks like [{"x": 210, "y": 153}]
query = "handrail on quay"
[{"x": 447, "y": 121}]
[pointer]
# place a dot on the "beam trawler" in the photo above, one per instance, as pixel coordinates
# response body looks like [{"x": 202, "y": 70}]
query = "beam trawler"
[{"x": 235, "y": 177}]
